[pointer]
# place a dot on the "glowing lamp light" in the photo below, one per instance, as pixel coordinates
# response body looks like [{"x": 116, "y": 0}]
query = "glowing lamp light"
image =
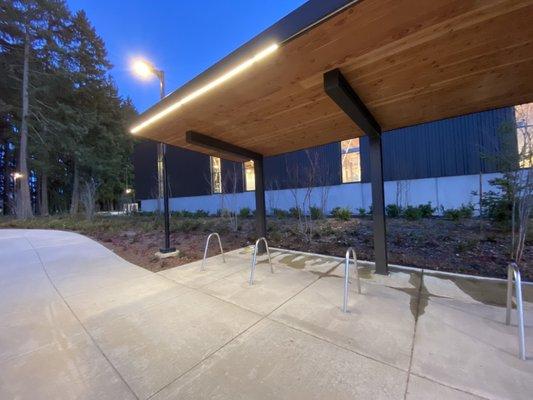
[
  {"x": 128, "y": 191},
  {"x": 143, "y": 69},
  {"x": 17, "y": 175},
  {"x": 211, "y": 85}
]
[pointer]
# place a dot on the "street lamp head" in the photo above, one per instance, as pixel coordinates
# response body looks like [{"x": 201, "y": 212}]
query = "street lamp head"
[
  {"x": 17, "y": 175},
  {"x": 128, "y": 191},
  {"x": 143, "y": 68}
]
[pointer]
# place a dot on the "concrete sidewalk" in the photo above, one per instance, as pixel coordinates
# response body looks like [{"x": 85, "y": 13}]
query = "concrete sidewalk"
[{"x": 79, "y": 322}]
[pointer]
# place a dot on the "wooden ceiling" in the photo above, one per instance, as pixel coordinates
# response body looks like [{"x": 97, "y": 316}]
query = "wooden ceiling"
[{"x": 410, "y": 61}]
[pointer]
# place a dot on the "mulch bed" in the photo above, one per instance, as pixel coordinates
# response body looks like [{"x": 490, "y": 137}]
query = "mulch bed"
[{"x": 470, "y": 246}]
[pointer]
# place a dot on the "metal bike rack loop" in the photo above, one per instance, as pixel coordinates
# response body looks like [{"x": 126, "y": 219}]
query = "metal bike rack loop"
[
  {"x": 254, "y": 259},
  {"x": 514, "y": 272},
  {"x": 207, "y": 246},
  {"x": 349, "y": 252}
]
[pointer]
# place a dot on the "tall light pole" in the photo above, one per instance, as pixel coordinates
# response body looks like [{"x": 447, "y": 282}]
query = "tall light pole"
[{"x": 146, "y": 70}]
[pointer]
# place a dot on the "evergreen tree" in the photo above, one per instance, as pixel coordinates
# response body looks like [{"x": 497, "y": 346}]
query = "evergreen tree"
[
  {"x": 31, "y": 32},
  {"x": 59, "y": 109}
]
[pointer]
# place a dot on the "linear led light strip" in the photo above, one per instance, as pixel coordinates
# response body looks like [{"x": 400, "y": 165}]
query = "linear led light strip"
[{"x": 211, "y": 85}]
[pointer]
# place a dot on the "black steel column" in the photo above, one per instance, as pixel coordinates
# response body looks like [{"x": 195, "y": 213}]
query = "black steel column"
[
  {"x": 167, "y": 248},
  {"x": 378, "y": 205},
  {"x": 260, "y": 208},
  {"x": 339, "y": 90}
]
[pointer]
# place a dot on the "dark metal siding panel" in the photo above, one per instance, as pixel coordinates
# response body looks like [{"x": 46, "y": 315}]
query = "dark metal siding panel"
[
  {"x": 318, "y": 166},
  {"x": 189, "y": 172},
  {"x": 145, "y": 167},
  {"x": 462, "y": 145}
]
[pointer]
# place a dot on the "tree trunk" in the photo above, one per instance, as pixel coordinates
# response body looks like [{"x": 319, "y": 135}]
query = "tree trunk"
[
  {"x": 6, "y": 178},
  {"x": 75, "y": 200},
  {"x": 23, "y": 193},
  {"x": 44, "y": 195}
]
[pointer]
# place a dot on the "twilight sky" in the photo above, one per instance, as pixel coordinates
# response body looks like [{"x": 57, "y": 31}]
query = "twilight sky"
[{"x": 181, "y": 37}]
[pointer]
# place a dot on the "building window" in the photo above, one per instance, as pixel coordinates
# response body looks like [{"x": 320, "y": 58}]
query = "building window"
[
  {"x": 524, "y": 134},
  {"x": 249, "y": 175},
  {"x": 216, "y": 175},
  {"x": 350, "y": 160}
]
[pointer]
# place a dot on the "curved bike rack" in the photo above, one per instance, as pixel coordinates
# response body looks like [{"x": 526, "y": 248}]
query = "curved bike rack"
[
  {"x": 514, "y": 272},
  {"x": 207, "y": 246},
  {"x": 254, "y": 259},
  {"x": 349, "y": 252}
]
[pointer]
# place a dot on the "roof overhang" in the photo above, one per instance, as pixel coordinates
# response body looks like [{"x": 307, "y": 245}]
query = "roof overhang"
[{"x": 409, "y": 62}]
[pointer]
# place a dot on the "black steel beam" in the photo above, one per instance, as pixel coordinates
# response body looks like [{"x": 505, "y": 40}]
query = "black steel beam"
[
  {"x": 340, "y": 91},
  {"x": 224, "y": 149},
  {"x": 260, "y": 208}
]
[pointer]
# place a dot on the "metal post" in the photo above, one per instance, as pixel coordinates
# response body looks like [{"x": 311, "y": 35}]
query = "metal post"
[
  {"x": 378, "y": 205},
  {"x": 162, "y": 148},
  {"x": 350, "y": 252},
  {"x": 514, "y": 272},
  {"x": 167, "y": 248},
  {"x": 260, "y": 208},
  {"x": 254, "y": 258}
]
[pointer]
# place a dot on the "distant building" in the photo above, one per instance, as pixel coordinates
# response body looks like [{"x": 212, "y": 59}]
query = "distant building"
[{"x": 443, "y": 162}]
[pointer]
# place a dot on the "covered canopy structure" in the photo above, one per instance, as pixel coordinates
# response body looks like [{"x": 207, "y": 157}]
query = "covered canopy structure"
[{"x": 335, "y": 70}]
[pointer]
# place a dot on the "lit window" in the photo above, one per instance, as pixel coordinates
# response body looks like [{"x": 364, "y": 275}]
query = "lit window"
[
  {"x": 351, "y": 161},
  {"x": 216, "y": 175},
  {"x": 249, "y": 175},
  {"x": 524, "y": 134}
]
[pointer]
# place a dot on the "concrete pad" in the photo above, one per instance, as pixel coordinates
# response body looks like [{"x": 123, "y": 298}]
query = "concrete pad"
[
  {"x": 466, "y": 345},
  {"x": 421, "y": 389},
  {"x": 26, "y": 329},
  {"x": 70, "y": 368},
  {"x": 313, "y": 263},
  {"x": 12, "y": 259},
  {"x": 472, "y": 289},
  {"x": 155, "y": 335},
  {"x": 10, "y": 244},
  {"x": 17, "y": 274},
  {"x": 18, "y": 293},
  {"x": 48, "y": 238},
  {"x": 80, "y": 250},
  {"x": 153, "y": 347},
  {"x": 272, "y": 361},
  {"x": 379, "y": 324},
  {"x": 268, "y": 292},
  {"x": 10, "y": 233},
  {"x": 104, "y": 273},
  {"x": 132, "y": 295},
  {"x": 193, "y": 276}
]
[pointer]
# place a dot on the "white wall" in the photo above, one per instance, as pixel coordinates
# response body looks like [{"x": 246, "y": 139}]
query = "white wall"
[{"x": 449, "y": 192}]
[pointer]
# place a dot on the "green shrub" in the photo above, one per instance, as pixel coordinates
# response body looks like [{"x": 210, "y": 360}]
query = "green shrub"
[
  {"x": 279, "y": 213},
  {"x": 412, "y": 213},
  {"x": 185, "y": 214},
  {"x": 326, "y": 229},
  {"x": 201, "y": 214},
  {"x": 224, "y": 213},
  {"x": 245, "y": 212},
  {"x": 498, "y": 207},
  {"x": 362, "y": 212},
  {"x": 188, "y": 225},
  {"x": 393, "y": 211},
  {"x": 341, "y": 213},
  {"x": 295, "y": 212},
  {"x": 316, "y": 212},
  {"x": 455, "y": 214},
  {"x": 426, "y": 210}
]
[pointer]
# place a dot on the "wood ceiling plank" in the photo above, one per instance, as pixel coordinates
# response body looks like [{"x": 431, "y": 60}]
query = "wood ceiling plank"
[{"x": 410, "y": 62}]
